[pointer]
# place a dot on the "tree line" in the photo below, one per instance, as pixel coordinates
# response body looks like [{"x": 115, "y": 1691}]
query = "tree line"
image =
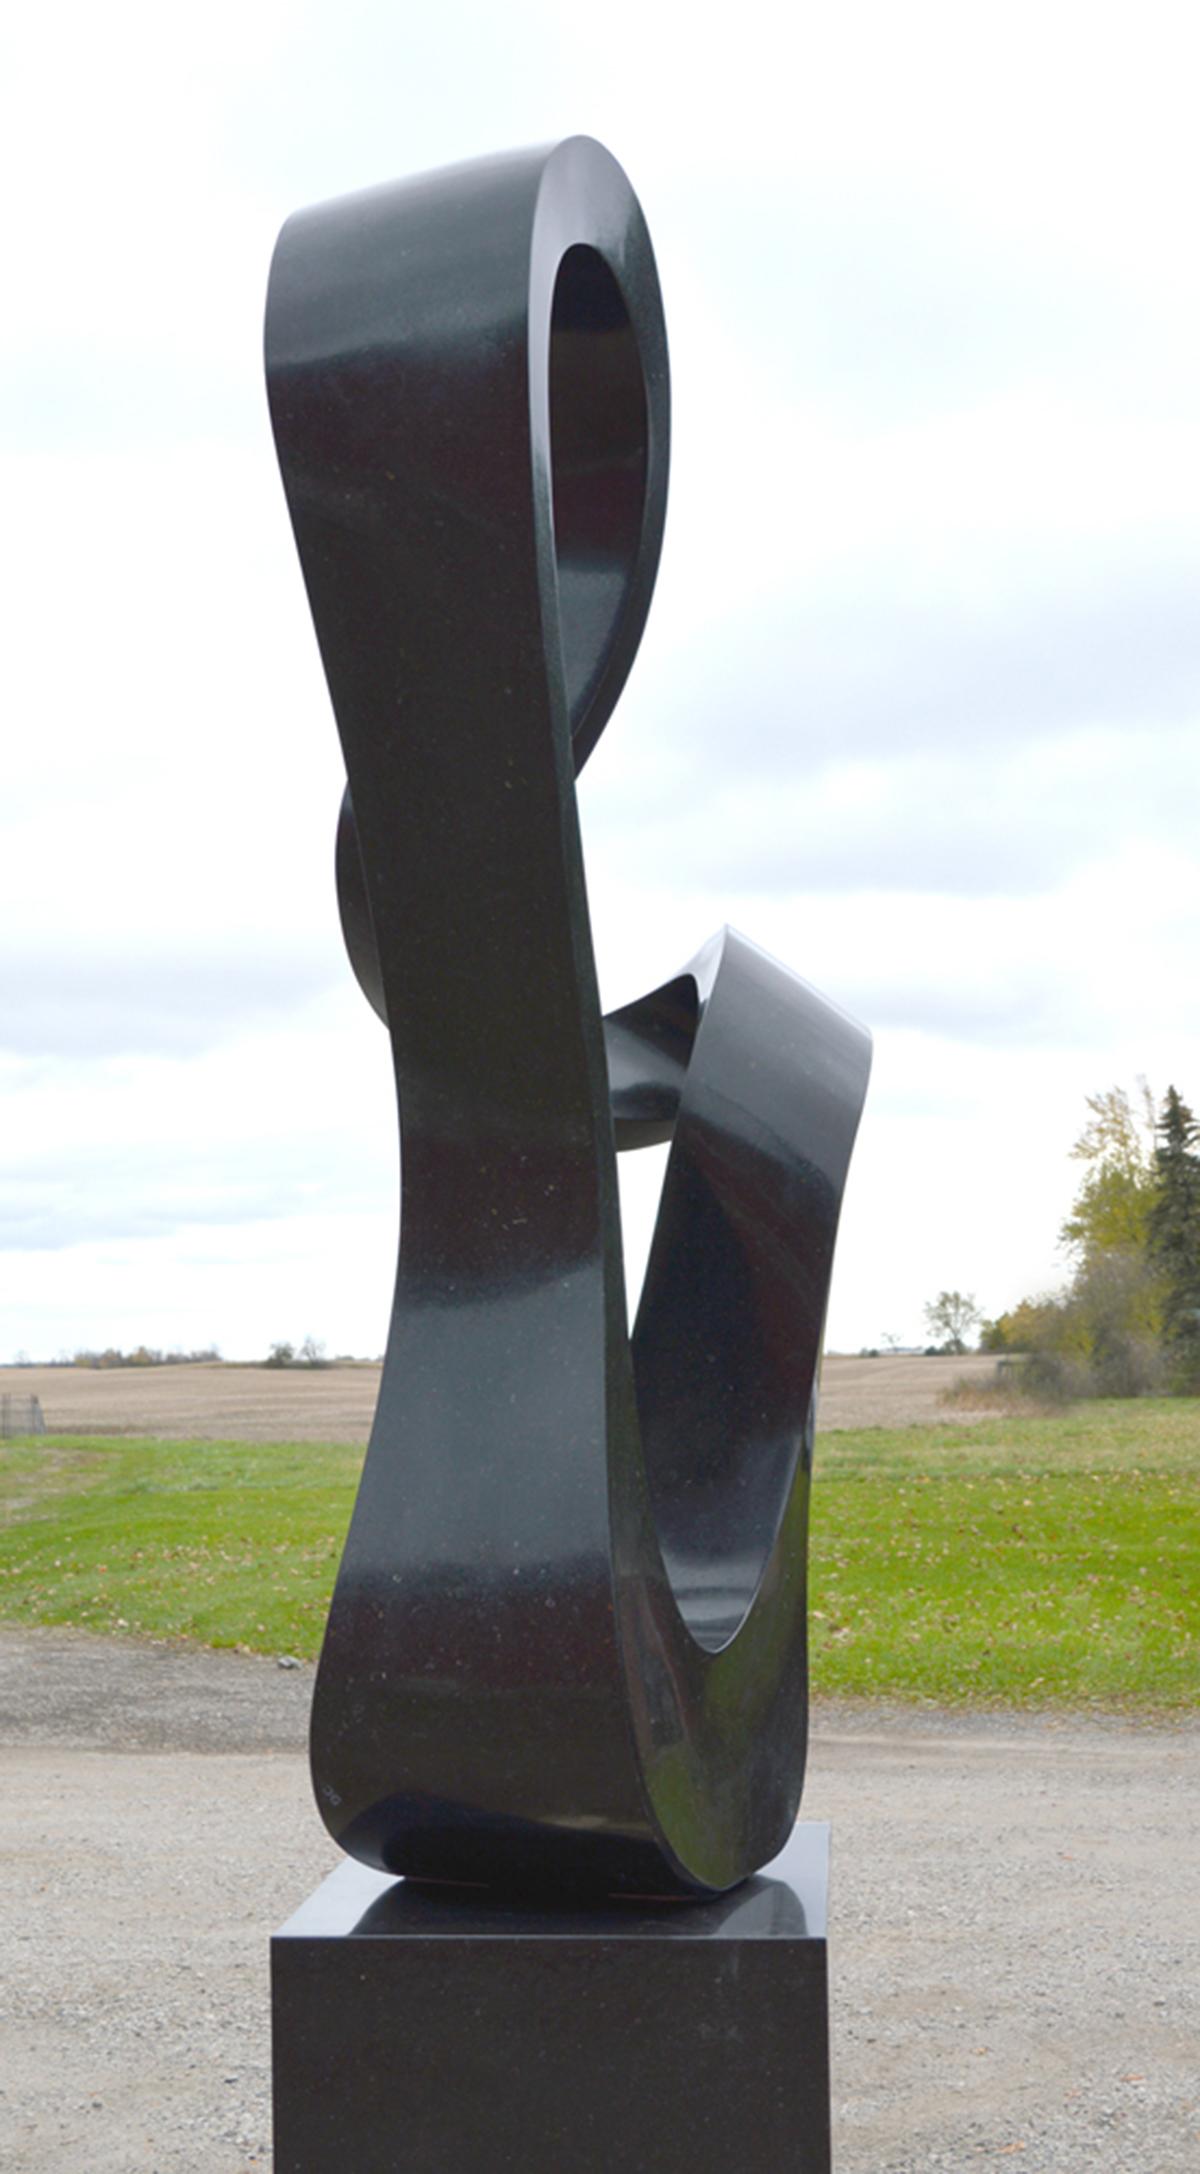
[
  {"x": 1127, "y": 1323},
  {"x": 141, "y": 1355}
]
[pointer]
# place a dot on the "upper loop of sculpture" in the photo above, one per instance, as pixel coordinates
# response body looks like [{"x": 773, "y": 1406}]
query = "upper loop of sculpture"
[
  {"x": 599, "y": 455},
  {"x": 567, "y": 1641}
]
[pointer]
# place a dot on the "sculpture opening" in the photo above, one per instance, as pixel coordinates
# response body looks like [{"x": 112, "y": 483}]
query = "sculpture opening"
[{"x": 598, "y": 445}]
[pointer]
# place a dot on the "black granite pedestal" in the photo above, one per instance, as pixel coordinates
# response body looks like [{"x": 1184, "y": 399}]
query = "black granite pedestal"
[{"x": 420, "y": 2030}]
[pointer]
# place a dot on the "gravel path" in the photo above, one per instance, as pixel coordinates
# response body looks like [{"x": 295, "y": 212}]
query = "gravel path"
[{"x": 1015, "y": 1937}]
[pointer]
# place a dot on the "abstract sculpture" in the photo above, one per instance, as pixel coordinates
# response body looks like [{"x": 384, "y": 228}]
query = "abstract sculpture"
[{"x": 567, "y": 1645}]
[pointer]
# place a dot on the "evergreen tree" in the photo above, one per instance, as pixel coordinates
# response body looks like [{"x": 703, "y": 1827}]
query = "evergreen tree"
[{"x": 1174, "y": 1240}]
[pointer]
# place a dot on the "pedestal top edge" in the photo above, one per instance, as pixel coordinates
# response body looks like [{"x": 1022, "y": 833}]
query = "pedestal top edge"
[{"x": 788, "y": 1899}]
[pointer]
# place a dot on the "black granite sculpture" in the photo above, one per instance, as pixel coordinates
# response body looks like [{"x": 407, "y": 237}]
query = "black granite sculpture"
[{"x": 567, "y": 1646}]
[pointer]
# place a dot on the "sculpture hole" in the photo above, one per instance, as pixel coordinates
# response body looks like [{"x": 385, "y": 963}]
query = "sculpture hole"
[{"x": 598, "y": 445}]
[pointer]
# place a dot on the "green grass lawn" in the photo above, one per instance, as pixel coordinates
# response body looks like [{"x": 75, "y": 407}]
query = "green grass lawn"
[
  {"x": 1023, "y": 1561},
  {"x": 230, "y": 1543},
  {"x": 1040, "y": 1561}
]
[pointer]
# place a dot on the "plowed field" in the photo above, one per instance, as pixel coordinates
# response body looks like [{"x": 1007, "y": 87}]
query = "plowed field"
[{"x": 335, "y": 1403}]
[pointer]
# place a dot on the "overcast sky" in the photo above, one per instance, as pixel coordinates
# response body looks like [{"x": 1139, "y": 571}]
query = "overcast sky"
[{"x": 917, "y": 705}]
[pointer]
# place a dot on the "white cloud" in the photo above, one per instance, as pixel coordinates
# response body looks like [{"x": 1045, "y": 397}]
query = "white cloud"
[
  {"x": 1003, "y": 819},
  {"x": 918, "y": 699}
]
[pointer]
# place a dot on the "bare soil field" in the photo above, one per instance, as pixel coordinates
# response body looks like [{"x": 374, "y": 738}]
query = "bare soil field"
[
  {"x": 208, "y": 1403},
  {"x": 890, "y": 1392},
  {"x": 226, "y": 1403}
]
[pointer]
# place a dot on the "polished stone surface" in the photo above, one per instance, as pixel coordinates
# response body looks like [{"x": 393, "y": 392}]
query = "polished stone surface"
[
  {"x": 567, "y": 1646},
  {"x": 423, "y": 2031}
]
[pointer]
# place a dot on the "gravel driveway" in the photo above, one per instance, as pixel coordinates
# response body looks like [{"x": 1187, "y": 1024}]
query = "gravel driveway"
[{"x": 1015, "y": 1932}]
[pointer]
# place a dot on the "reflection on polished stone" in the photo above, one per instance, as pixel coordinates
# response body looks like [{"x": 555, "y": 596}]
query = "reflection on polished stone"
[{"x": 357, "y": 1903}]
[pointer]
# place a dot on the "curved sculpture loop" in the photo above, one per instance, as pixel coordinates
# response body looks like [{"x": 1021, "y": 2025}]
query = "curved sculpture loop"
[{"x": 567, "y": 1643}]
